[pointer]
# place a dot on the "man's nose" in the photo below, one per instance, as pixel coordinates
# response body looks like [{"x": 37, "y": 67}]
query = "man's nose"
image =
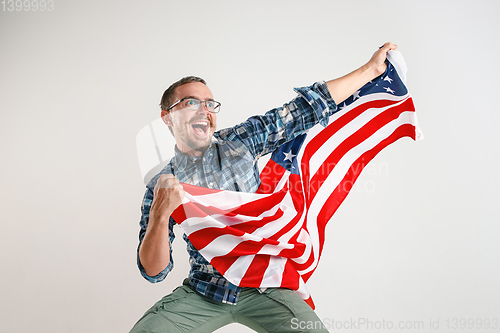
[{"x": 203, "y": 108}]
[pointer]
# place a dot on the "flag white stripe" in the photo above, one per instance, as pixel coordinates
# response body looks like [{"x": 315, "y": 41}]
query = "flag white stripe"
[
  {"x": 304, "y": 238},
  {"x": 224, "y": 201},
  {"x": 274, "y": 272},
  {"x": 302, "y": 290},
  {"x": 195, "y": 223},
  {"x": 237, "y": 270},
  {"x": 224, "y": 244},
  {"x": 270, "y": 229}
]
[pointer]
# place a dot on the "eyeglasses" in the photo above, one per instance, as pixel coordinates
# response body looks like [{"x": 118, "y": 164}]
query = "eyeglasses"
[{"x": 194, "y": 104}]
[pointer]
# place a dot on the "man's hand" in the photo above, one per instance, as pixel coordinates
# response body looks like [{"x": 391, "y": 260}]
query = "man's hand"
[
  {"x": 377, "y": 61},
  {"x": 154, "y": 252},
  {"x": 345, "y": 86},
  {"x": 168, "y": 195}
]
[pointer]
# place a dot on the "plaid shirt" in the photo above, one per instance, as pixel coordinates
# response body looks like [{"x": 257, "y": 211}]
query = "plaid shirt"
[{"x": 230, "y": 163}]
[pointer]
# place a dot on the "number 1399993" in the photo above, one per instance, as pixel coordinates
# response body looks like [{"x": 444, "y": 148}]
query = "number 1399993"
[{"x": 27, "y": 5}]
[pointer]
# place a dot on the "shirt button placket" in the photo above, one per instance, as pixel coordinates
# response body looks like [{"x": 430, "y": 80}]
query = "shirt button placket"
[{"x": 207, "y": 170}]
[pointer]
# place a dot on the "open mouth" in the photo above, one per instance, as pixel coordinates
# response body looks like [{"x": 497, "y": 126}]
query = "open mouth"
[{"x": 200, "y": 128}]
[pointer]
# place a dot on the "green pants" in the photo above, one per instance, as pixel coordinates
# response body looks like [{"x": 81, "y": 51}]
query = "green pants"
[{"x": 185, "y": 310}]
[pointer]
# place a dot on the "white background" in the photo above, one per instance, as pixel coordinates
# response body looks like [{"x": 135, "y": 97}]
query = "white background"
[{"x": 416, "y": 240}]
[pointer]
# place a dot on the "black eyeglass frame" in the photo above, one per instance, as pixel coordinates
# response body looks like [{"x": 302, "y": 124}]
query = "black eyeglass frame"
[{"x": 216, "y": 108}]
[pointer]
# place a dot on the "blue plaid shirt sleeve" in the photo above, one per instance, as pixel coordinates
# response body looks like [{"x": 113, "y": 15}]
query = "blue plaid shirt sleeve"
[
  {"x": 145, "y": 208},
  {"x": 265, "y": 133}
]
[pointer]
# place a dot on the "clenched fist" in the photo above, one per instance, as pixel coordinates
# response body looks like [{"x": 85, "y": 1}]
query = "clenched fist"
[
  {"x": 377, "y": 61},
  {"x": 168, "y": 195}
]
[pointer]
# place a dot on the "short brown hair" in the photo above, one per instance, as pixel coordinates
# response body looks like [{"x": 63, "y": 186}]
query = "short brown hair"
[{"x": 168, "y": 95}]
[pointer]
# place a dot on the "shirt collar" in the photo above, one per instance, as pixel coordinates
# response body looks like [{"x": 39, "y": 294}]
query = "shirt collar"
[{"x": 182, "y": 161}]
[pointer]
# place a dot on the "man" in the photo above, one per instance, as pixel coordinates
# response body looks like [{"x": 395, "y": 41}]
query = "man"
[{"x": 226, "y": 160}]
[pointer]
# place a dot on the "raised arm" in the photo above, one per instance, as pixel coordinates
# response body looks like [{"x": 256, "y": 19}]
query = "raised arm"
[
  {"x": 154, "y": 252},
  {"x": 345, "y": 86}
]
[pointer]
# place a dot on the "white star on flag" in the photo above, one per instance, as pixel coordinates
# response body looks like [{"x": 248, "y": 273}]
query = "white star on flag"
[
  {"x": 355, "y": 95},
  {"x": 389, "y": 90},
  {"x": 289, "y": 156},
  {"x": 388, "y": 79}
]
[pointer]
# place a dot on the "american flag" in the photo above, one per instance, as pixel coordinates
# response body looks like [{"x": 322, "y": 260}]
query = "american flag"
[{"x": 274, "y": 237}]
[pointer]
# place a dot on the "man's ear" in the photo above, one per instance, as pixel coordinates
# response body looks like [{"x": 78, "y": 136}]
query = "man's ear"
[{"x": 165, "y": 116}]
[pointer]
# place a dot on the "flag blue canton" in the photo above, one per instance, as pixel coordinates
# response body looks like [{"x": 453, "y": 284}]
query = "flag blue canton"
[
  {"x": 287, "y": 153},
  {"x": 389, "y": 82}
]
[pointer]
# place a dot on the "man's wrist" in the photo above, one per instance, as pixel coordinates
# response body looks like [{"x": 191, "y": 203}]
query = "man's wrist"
[
  {"x": 159, "y": 221},
  {"x": 370, "y": 71}
]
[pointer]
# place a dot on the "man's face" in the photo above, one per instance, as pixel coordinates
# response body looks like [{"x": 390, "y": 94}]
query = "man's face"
[{"x": 193, "y": 130}]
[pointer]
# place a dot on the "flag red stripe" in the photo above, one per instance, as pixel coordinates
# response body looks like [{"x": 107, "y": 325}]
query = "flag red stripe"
[
  {"x": 270, "y": 176},
  {"x": 290, "y": 277},
  {"x": 255, "y": 272},
  {"x": 256, "y": 207},
  {"x": 223, "y": 263}
]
